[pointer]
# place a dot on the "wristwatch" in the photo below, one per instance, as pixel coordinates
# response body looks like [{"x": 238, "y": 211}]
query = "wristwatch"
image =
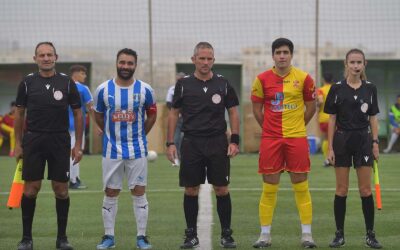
[
  {"x": 169, "y": 144},
  {"x": 375, "y": 141}
]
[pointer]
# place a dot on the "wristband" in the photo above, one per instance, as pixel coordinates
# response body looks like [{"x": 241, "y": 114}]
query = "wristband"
[{"x": 235, "y": 139}]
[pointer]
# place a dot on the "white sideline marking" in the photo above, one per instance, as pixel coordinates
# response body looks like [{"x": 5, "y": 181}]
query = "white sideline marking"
[
  {"x": 230, "y": 189},
  {"x": 204, "y": 220}
]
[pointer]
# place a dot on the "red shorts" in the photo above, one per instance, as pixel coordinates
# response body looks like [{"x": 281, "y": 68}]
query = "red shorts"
[
  {"x": 284, "y": 154},
  {"x": 323, "y": 126}
]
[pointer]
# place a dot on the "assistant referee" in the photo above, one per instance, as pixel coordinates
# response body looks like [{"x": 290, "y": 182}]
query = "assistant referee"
[
  {"x": 46, "y": 96},
  {"x": 203, "y": 98}
]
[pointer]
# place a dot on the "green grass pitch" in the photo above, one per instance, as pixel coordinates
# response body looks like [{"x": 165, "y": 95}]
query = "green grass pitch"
[{"x": 166, "y": 220}]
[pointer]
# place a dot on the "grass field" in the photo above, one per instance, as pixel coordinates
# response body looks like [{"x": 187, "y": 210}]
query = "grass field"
[{"x": 166, "y": 219}]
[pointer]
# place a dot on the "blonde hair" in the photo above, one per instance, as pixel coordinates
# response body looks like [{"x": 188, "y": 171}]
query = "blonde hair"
[{"x": 346, "y": 70}]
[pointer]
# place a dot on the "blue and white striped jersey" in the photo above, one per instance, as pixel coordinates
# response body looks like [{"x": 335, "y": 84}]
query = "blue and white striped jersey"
[
  {"x": 86, "y": 97},
  {"x": 124, "y": 111}
]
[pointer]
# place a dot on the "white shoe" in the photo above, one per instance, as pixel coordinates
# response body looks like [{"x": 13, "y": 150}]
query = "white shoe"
[
  {"x": 307, "y": 241},
  {"x": 263, "y": 241},
  {"x": 386, "y": 151}
]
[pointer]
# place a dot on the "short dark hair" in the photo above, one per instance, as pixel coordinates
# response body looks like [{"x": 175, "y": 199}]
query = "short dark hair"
[
  {"x": 13, "y": 103},
  {"x": 127, "y": 52},
  {"x": 47, "y": 43},
  {"x": 328, "y": 77},
  {"x": 282, "y": 42},
  {"x": 77, "y": 68},
  {"x": 202, "y": 45}
]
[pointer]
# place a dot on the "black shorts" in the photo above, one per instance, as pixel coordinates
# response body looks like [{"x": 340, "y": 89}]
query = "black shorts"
[
  {"x": 204, "y": 157},
  {"x": 53, "y": 148},
  {"x": 353, "y": 148}
]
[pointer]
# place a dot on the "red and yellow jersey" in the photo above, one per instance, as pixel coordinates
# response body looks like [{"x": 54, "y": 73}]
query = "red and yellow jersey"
[
  {"x": 323, "y": 91},
  {"x": 283, "y": 99}
]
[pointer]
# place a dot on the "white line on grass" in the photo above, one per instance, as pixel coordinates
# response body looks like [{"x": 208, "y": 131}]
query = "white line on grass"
[
  {"x": 205, "y": 220},
  {"x": 231, "y": 189}
]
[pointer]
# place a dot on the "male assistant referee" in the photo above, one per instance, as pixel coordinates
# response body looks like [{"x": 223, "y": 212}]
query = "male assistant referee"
[{"x": 46, "y": 96}]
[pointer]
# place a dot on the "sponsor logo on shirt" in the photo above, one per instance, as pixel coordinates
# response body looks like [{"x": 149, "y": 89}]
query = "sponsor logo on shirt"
[{"x": 123, "y": 116}]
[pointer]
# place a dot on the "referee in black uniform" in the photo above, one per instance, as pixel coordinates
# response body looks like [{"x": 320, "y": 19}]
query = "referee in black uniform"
[
  {"x": 353, "y": 140},
  {"x": 46, "y": 96},
  {"x": 203, "y": 98}
]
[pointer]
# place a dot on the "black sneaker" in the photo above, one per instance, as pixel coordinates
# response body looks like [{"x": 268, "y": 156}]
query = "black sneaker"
[
  {"x": 25, "y": 244},
  {"x": 370, "y": 240},
  {"x": 191, "y": 240},
  {"x": 338, "y": 241},
  {"x": 63, "y": 244},
  {"x": 226, "y": 238}
]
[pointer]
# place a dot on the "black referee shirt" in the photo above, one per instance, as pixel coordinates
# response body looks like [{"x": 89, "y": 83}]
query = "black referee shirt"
[
  {"x": 47, "y": 100},
  {"x": 352, "y": 106},
  {"x": 203, "y": 104}
]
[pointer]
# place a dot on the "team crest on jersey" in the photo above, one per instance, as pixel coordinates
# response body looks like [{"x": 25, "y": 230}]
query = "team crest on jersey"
[
  {"x": 136, "y": 97},
  {"x": 364, "y": 107},
  {"x": 296, "y": 83},
  {"x": 216, "y": 98},
  {"x": 58, "y": 95},
  {"x": 123, "y": 116}
]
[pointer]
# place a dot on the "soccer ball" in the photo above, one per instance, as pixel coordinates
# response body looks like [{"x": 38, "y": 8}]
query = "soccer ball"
[{"x": 152, "y": 155}]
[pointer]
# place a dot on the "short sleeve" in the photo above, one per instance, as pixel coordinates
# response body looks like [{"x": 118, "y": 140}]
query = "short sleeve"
[
  {"x": 257, "y": 92},
  {"x": 309, "y": 89},
  {"x": 177, "y": 98},
  {"x": 74, "y": 98},
  {"x": 374, "y": 101},
  {"x": 231, "y": 98},
  {"x": 22, "y": 95},
  {"x": 150, "y": 101},
  {"x": 99, "y": 105},
  {"x": 87, "y": 96},
  {"x": 170, "y": 94},
  {"x": 330, "y": 103}
]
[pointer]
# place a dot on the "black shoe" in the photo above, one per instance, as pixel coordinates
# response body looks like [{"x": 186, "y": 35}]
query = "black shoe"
[
  {"x": 63, "y": 244},
  {"x": 370, "y": 240},
  {"x": 191, "y": 240},
  {"x": 226, "y": 238},
  {"x": 25, "y": 244},
  {"x": 338, "y": 241}
]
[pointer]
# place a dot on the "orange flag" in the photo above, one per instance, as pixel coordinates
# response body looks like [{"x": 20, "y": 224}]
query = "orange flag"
[{"x": 17, "y": 188}]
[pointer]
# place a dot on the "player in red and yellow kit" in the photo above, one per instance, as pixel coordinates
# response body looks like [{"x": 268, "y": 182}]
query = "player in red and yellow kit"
[
  {"x": 7, "y": 127},
  {"x": 283, "y": 103},
  {"x": 323, "y": 117}
]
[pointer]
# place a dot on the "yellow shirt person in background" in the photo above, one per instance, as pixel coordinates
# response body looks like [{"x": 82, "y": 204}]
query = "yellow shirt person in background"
[{"x": 323, "y": 118}]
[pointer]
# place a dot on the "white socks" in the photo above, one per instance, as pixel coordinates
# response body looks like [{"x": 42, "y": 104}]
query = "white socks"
[
  {"x": 141, "y": 210},
  {"x": 73, "y": 171},
  {"x": 266, "y": 229},
  {"x": 305, "y": 228},
  {"x": 393, "y": 139},
  {"x": 109, "y": 211}
]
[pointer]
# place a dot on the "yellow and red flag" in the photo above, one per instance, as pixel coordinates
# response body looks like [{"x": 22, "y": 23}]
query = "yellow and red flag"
[{"x": 17, "y": 188}]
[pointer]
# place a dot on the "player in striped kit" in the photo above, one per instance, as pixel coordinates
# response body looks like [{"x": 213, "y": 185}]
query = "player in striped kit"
[{"x": 126, "y": 110}]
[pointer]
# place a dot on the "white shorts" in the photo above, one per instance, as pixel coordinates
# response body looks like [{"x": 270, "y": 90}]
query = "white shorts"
[{"x": 115, "y": 169}]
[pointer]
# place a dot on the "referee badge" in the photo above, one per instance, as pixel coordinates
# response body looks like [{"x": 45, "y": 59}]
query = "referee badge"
[
  {"x": 216, "y": 98},
  {"x": 364, "y": 107},
  {"x": 58, "y": 95}
]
